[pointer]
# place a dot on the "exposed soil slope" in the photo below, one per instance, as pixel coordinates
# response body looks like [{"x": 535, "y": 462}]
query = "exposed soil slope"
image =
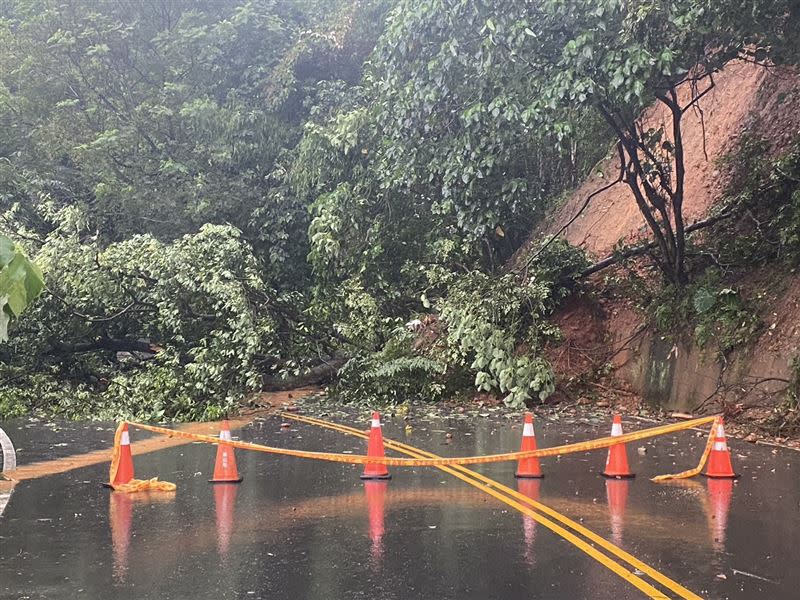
[{"x": 745, "y": 98}]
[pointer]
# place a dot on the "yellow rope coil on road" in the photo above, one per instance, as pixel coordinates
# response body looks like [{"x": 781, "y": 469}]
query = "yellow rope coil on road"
[
  {"x": 145, "y": 485},
  {"x": 596, "y": 444},
  {"x": 134, "y": 485}
]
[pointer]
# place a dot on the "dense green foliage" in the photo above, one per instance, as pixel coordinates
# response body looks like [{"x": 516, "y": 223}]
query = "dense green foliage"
[
  {"x": 764, "y": 189},
  {"x": 145, "y": 151},
  {"x": 20, "y": 283},
  {"x": 226, "y": 193},
  {"x": 497, "y": 326},
  {"x": 488, "y": 331},
  {"x": 220, "y": 335}
]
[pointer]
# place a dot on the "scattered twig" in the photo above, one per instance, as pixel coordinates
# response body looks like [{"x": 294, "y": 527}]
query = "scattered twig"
[{"x": 753, "y": 575}]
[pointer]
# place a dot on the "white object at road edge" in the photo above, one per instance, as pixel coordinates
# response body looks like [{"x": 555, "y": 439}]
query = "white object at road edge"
[
  {"x": 9, "y": 454},
  {"x": 4, "y": 498}
]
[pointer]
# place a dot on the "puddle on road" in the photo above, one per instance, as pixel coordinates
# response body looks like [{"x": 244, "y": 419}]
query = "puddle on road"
[{"x": 302, "y": 529}]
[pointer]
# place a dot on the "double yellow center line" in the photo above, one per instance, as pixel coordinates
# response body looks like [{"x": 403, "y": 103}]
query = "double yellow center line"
[{"x": 553, "y": 520}]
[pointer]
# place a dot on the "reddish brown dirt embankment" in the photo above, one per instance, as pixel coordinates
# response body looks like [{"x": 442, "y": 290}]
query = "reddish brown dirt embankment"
[
  {"x": 745, "y": 97},
  {"x": 681, "y": 376}
]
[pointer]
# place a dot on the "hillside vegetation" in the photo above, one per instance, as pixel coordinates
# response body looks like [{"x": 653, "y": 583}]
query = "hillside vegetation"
[{"x": 230, "y": 195}]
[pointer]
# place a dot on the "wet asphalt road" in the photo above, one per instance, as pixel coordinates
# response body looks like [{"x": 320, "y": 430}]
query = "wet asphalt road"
[{"x": 309, "y": 530}]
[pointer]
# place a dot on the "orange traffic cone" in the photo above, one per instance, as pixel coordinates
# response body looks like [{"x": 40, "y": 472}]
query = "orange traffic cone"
[
  {"x": 376, "y": 500},
  {"x": 528, "y": 467},
  {"x": 617, "y": 461},
  {"x": 125, "y": 468},
  {"x": 720, "y": 492},
  {"x": 617, "y": 496},
  {"x": 719, "y": 461},
  {"x": 120, "y": 518},
  {"x": 225, "y": 466},
  {"x": 375, "y": 470},
  {"x": 224, "y": 503}
]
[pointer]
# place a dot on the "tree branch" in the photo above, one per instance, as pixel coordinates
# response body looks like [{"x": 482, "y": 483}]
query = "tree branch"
[
  {"x": 105, "y": 343},
  {"x": 648, "y": 246}
]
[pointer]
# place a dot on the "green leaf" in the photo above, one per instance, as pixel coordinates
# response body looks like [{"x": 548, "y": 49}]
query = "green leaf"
[
  {"x": 20, "y": 283},
  {"x": 34, "y": 281},
  {"x": 7, "y": 251},
  {"x": 12, "y": 285},
  {"x": 704, "y": 300}
]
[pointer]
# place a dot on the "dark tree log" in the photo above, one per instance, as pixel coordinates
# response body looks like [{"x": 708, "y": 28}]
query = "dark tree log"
[
  {"x": 317, "y": 375},
  {"x": 105, "y": 343}
]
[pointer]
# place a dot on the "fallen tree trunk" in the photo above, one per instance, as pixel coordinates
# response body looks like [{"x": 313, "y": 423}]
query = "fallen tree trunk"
[{"x": 316, "y": 376}]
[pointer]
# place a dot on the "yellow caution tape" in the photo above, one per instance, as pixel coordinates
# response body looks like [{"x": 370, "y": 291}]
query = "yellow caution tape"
[
  {"x": 703, "y": 458},
  {"x": 468, "y": 476},
  {"x": 145, "y": 485},
  {"x": 134, "y": 485},
  {"x": 596, "y": 444}
]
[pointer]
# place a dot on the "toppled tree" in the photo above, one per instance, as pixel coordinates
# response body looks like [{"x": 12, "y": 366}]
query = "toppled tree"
[
  {"x": 159, "y": 330},
  {"x": 477, "y": 116}
]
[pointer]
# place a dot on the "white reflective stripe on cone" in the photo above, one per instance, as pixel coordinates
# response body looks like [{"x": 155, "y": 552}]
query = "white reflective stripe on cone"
[
  {"x": 616, "y": 429},
  {"x": 721, "y": 446},
  {"x": 527, "y": 430},
  {"x": 376, "y": 422},
  {"x": 225, "y": 434},
  {"x": 125, "y": 440},
  {"x": 720, "y": 431}
]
